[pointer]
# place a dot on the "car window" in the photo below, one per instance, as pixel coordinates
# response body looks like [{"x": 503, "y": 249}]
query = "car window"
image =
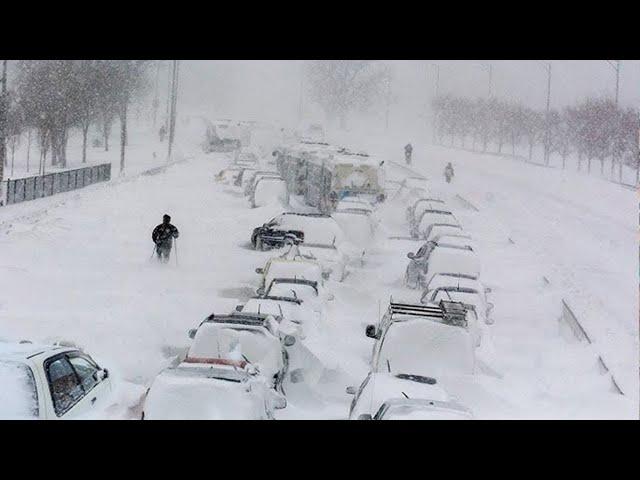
[
  {"x": 64, "y": 384},
  {"x": 18, "y": 396},
  {"x": 86, "y": 371}
]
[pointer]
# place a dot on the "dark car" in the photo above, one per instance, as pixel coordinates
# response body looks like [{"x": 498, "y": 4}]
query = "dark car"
[{"x": 281, "y": 230}]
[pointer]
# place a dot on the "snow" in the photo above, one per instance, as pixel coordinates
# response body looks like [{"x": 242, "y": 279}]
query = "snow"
[
  {"x": 18, "y": 396},
  {"x": 77, "y": 265}
]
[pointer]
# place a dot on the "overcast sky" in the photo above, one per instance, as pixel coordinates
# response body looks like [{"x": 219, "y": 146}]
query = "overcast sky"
[{"x": 267, "y": 89}]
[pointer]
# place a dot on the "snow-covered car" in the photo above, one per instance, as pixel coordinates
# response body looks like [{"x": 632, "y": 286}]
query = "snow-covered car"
[
  {"x": 436, "y": 230},
  {"x": 309, "y": 228},
  {"x": 269, "y": 190},
  {"x": 431, "y": 217},
  {"x": 420, "y": 206},
  {"x": 252, "y": 337},
  {"x": 419, "y": 261},
  {"x": 249, "y": 181},
  {"x": 311, "y": 293},
  {"x": 247, "y": 157},
  {"x": 228, "y": 176},
  {"x": 292, "y": 313},
  {"x": 250, "y": 190},
  {"x": 449, "y": 279},
  {"x": 357, "y": 224},
  {"x": 424, "y": 339},
  {"x": 382, "y": 395},
  {"x": 283, "y": 267},
  {"x": 211, "y": 389},
  {"x": 451, "y": 260},
  {"x": 50, "y": 382}
]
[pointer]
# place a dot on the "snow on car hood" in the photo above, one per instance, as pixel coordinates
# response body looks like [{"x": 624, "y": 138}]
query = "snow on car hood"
[
  {"x": 305, "y": 270},
  {"x": 177, "y": 396},
  {"x": 428, "y": 348},
  {"x": 318, "y": 230}
]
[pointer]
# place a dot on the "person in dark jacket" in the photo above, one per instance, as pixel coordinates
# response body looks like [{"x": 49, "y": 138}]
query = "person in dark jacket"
[
  {"x": 408, "y": 150},
  {"x": 163, "y": 236}
]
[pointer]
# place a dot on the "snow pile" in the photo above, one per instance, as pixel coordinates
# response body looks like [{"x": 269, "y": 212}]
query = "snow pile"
[{"x": 18, "y": 397}]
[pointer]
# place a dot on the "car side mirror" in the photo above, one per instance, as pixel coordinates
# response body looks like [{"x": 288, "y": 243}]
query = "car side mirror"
[
  {"x": 411, "y": 255},
  {"x": 192, "y": 333},
  {"x": 289, "y": 340},
  {"x": 260, "y": 291},
  {"x": 260, "y": 271},
  {"x": 365, "y": 416},
  {"x": 371, "y": 331},
  {"x": 239, "y": 308},
  {"x": 351, "y": 390}
]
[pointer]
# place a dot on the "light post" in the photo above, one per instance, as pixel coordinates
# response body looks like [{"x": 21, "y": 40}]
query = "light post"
[
  {"x": 616, "y": 67},
  {"x": 3, "y": 128}
]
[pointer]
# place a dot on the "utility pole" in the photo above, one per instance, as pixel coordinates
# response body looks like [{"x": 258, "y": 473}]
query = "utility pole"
[
  {"x": 616, "y": 67},
  {"x": 386, "y": 118},
  {"x": 174, "y": 100},
  {"x": 156, "y": 99},
  {"x": 490, "y": 79},
  {"x": 3, "y": 128},
  {"x": 300, "y": 102},
  {"x": 436, "y": 94}
]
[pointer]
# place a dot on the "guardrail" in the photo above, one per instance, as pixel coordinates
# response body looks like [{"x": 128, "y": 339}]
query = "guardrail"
[
  {"x": 39, "y": 186},
  {"x": 571, "y": 320}
]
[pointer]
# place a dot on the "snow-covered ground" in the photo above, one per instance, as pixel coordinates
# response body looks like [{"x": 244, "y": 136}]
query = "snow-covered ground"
[{"x": 77, "y": 266}]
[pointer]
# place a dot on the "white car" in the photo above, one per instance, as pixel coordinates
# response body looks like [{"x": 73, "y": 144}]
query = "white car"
[
  {"x": 424, "y": 339},
  {"x": 451, "y": 260},
  {"x": 415, "y": 211},
  {"x": 436, "y": 230},
  {"x": 211, "y": 390},
  {"x": 419, "y": 261},
  {"x": 252, "y": 337},
  {"x": 306, "y": 290},
  {"x": 269, "y": 190},
  {"x": 50, "y": 382},
  {"x": 430, "y": 217},
  {"x": 287, "y": 267},
  {"x": 394, "y": 396},
  {"x": 470, "y": 296}
]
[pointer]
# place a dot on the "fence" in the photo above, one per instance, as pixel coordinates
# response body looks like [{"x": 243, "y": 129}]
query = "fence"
[
  {"x": 568, "y": 318},
  {"x": 30, "y": 188}
]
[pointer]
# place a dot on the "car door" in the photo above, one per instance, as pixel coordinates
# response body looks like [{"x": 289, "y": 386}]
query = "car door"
[
  {"x": 67, "y": 393},
  {"x": 96, "y": 386}
]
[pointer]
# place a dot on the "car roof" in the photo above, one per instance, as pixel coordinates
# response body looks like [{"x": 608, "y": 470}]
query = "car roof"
[
  {"x": 23, "y": 351},
  {"x": 430, "y": 404},
  {"x": 241, "y": 318}
]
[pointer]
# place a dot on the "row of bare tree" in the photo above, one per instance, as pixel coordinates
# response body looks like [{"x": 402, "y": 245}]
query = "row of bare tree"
[
  {"x": 52, "y": 97},
  {"x": 592, "y": 129}
]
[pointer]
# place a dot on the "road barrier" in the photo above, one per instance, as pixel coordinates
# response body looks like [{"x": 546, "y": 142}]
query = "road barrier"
[
  {"x": 30, "y": 188},
  {"x": 569, "y": 319}
]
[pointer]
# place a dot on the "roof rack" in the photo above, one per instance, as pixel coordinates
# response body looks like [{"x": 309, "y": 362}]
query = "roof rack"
[
  {"x": 451, "y": 313},
  {"x": 244, "y": 318}
]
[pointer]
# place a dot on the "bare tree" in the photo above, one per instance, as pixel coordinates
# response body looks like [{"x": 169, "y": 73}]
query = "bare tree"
[{"x": 344, "y": 86}]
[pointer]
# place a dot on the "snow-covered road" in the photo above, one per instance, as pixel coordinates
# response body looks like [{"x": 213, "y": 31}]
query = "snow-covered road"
[{"x": 80, "y": 270}]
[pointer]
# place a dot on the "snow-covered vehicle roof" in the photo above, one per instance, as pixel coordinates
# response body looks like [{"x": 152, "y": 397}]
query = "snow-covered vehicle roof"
[
  {"x": 305, "y": 290},
  {"x": 270, "y": 190},
  {"x": 453, "y": 280},
  {"x": 452, "y": 260},
  {"x": 318, "y": 229},
  {"x": 436, "y": 230},
  {"x": 206, "y": 392},
  {"x": 354, "y": 202},
  {"x": 304, "y": 269},
  {"x": 433, "y": 217}
]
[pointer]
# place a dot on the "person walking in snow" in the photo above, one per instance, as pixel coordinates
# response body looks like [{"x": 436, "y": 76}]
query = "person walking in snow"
[
  {"x": 408, "y": 150},
  {"x": 448, "y": 172},
  {"x": 163, "y": 236}
]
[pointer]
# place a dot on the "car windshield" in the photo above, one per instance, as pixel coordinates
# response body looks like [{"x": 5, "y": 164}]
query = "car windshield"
[
  {"x": 292, "y": 290},
  {"x": 253, "y": 344},
  {"x": 18, "y": 395},
  {"x": 427, "y": 348},
  {"x": 455, "y": 296},
  {"x": 421, "y": 412}
]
